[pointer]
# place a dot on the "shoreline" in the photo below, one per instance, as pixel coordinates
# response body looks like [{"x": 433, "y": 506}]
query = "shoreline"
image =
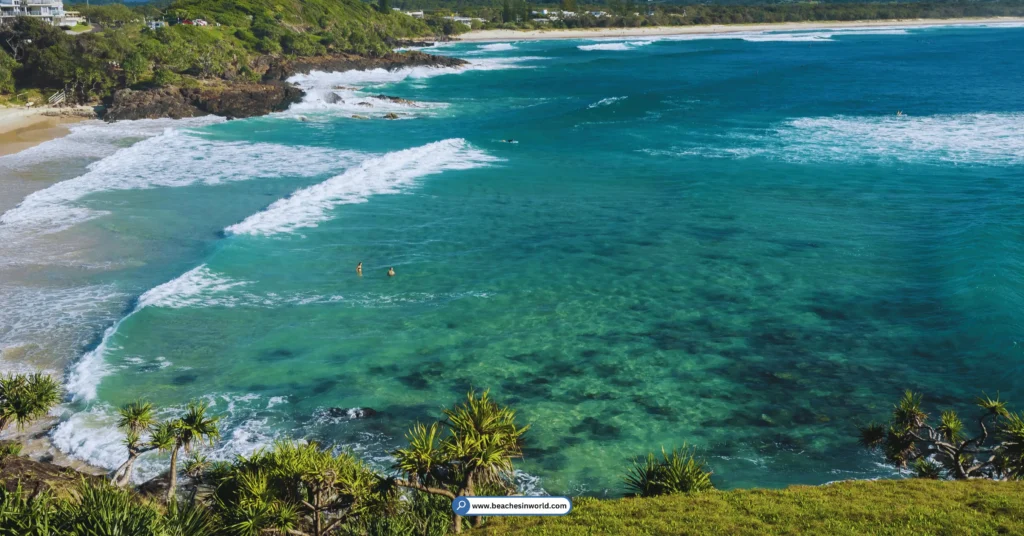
[
  {"x": 709, "y": 29},
  {"x": 23, "y": 128}
]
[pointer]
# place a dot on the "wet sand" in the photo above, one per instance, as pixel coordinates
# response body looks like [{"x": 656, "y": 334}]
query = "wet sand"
[{"x": 21, "y": 128}]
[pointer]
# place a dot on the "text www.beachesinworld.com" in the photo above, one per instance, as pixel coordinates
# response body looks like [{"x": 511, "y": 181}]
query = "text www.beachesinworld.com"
[{"x": 512, "y": 506}]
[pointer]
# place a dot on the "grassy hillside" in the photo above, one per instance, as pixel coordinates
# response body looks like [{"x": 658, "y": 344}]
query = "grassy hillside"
[{"x": 855, "y": 508}]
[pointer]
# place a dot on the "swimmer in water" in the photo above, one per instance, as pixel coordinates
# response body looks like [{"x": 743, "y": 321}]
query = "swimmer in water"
[
  {"x": 391, "y": 272},
  {"x": 510, "y": 140},
  {"x": 359, "y": 269}
]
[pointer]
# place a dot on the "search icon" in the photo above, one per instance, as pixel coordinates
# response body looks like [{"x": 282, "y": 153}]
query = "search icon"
[{"x": 460, "y": 505}]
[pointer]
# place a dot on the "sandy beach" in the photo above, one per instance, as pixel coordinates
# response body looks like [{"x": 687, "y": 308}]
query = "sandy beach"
[
  {"x": 518, "y": 35},
  {"x": 21, "y": 128}
]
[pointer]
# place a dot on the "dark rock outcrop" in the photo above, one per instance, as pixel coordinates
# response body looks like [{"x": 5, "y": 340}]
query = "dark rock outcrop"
[
  {"x": 151, "y": 104},
  {"x": 348, "y": 62},
  {"x": 225, "y": 99},
  {"x": 245, "y": 100},
  {"x": 397, "y": 100},
  {"x": 37, "y": 476}
]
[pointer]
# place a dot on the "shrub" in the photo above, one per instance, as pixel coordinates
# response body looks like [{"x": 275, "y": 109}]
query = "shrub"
[
  {"x": 166, "y": 77},
  {"x": 679, "y": 471}
]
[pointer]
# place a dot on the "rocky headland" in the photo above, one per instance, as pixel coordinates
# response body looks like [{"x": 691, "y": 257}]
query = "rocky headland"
[{"x": 237, "y": 98}]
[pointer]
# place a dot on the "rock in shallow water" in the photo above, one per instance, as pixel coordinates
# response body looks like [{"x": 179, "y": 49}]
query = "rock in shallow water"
[{"x": 350, "y": 413}]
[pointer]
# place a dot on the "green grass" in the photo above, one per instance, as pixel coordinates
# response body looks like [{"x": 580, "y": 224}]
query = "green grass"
[{"x": 848, "y": 508}]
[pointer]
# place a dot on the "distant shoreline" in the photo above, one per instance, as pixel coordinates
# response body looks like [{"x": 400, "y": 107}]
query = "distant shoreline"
[{"x": 654, "y": 31}]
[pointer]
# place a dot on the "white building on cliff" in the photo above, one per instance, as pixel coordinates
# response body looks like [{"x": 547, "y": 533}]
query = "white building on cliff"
[{"x": 51, "y": 11}]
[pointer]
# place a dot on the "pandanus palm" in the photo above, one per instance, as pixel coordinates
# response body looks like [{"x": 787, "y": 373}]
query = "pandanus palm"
[
  {"x": 134, "y": 418},
  {"x": 295, "y": 488},
  {"x": 192, "y": 428},
  {"x": 482, "y": 440},
  {"x": 949, "y": 448},
  {"x": 26, "y": 397}
]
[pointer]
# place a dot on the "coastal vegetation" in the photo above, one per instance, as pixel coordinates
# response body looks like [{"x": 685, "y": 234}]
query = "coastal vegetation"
[
  {"x": 239, "y": 42},
  {"x": 306, "y": 488},
  {"x": 25, "y": 398},
  {"x": 948, "y": 449},
  {"x": 523, "y": 14}
]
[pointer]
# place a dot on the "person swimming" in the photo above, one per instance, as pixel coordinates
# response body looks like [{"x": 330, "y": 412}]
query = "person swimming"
[
  {"x": 359, "y": 269},
  {"x": 510, "y": 140},
  {"x": 391, "y": 272},
  {"x": 899, "y": 113}
]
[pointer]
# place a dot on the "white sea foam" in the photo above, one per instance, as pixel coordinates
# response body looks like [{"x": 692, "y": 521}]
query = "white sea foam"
[
  {"x": 189, "y": 289},
  {"x": 606, "y": 102},
  {"x": 995, "y": 139},
  {"x": 96, "y": 139},
  {"x": 39, "y": 325},
  {"x": 173, "y": 159},
  {"x": 787, "y": 37},
  {"x": 628, "y": 45},
  {"x": 497, "y": 47},
  {"x": 375, "y": 77},
  {"x": 385, "y": 174},
  {"x": 982, "y": 138},
  {"x": 85, "y": 376},
  {"x": 823, "y": 35},
  {"x": 350, "y": 92},
  {"x": 92, "y": 435}
]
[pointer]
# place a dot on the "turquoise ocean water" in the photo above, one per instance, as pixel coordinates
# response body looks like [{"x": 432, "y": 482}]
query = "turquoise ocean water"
[{"x": 729, "y": 241}]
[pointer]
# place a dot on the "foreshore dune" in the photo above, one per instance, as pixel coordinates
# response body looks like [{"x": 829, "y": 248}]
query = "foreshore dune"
[{"x": 654, "y": 31}]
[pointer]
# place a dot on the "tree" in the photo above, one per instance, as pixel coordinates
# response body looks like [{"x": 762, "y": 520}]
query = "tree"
[
  {"x": 480, "y": 440},
  {"x": 135, "y": 418},
  {"x": 7, "y": 68},
  {"x": 26, "y": 397},
  {"x": 569, "y": 5},
  {"x": 507, "y": 14},
  {"x": 383, "y": 6},
  {"x": 996, "y": 451},
  {"x": 678, "y": 471},
  {"x": 135, "y": 65},
  {"x": 193, "y": 428}
]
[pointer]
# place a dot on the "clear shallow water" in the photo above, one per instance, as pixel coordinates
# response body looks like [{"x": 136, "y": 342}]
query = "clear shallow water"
[{"x": 728, "y": 241}]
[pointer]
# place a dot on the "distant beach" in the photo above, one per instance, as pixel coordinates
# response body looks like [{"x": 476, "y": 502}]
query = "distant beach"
[{"x": 517, "y": 35}]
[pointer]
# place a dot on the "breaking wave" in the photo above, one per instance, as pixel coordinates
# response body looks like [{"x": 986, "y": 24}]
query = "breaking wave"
[
  {"x": 385, "y": 174},
  {"x": 606, "y": 102},
  {"x": 995, "y": 139},
  {"x": 172, "y": 159},
  {"x": 350, "y": 92},
  {"x": 497, "y": 47},
  {"x": 629, "y": 45}
]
